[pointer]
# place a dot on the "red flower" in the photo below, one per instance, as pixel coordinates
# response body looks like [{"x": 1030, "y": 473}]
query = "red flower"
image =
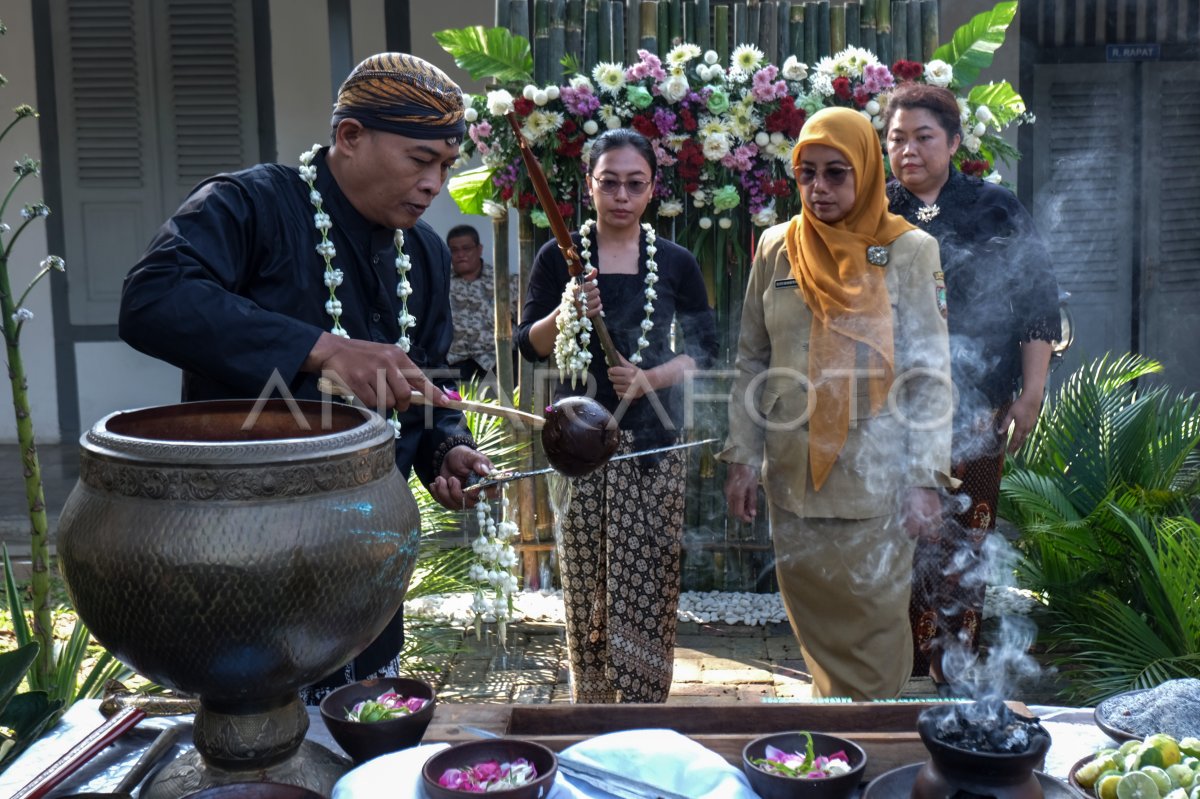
[
  {"x": 907, "y": 70},
  {"x": 523, "y": 106},
  {"x": 569, "y": 146},
  {"x": 566, "y": 210},
  {"x": 841, "y": 88},
  {"x": 688, "y": 120},
  {"x": 644, "y": 125},
  {"x": 506, "y": 193},
  {"x": 786, "y": 119},
  {"x": 527, "y": 200},
  {"x": 977, "y": 168}
]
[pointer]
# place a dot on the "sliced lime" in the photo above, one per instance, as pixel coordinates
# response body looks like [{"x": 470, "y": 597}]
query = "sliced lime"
[{"x": 1161, "y": 778}]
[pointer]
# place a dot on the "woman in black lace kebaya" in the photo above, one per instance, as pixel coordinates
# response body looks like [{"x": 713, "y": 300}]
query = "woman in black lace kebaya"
[{"x": 1001, "y": 302}]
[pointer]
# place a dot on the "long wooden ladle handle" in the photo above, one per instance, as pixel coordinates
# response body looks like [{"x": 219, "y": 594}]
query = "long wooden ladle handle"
[{"x": 329, "y": 386}]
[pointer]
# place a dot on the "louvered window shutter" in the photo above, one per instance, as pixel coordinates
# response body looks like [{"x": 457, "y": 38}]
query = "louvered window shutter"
[
  {"x": 1170, "y": 320},
  {"x": 151, "y": 98},
  {"x": 1083, "y": 168}
]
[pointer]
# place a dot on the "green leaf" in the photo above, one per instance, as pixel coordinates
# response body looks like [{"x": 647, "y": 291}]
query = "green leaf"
[
  {"x": 489, "y": 53},
  {"x": 469, "y": 189},
  {"x": 970, "y": 50},
  {"x": 29, "y": 715},
  {"x": 13, "y": 667},
  {"x": 1000, "y": 98}
]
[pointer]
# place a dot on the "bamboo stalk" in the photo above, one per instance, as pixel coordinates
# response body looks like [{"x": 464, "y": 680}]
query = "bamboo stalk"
[
  {"x": 900, "y": 30},
  {"x": 688, "y": 10},
  {"x": 502, "y": 298},
  {"x": 929, "y": 28},
  {"x": 663, "y": 29},
  {"x": 883, "y": 30},
  {"x": 558, "y": 40},
  {"x": 837, "y": 29},
  {"x": 518, "y": 17},
  {"x": 605, "y": 40},
  {"x": 913, "y": 10},
  {"x": 675, "y": 23},
  {"x": 867, "y": 36},
  {"x": 811, "y": 53},
  {"x": 768, "y": 31},
  {"x": 703, "y": 25},
  {"x": 633, "y": 29},
  {"x": 648, "y": 32},
  {"x": 739, "y": 25},
  {"x": 502, "y": 13},
  {"x": 783, "y": 35},
  {"x": 824, "y": 40},
  {"x": 853, "y": 38},
  {"x": 541, "y": 42},
  {"x": 575, "y": 32},
  {"x": 618, "y": 29},
  {"x": 754, "y": 23},
  {"x": 591, "y": 35},
  {"x": 798, "y": 32},
  {"x": 720, "y": 33}
]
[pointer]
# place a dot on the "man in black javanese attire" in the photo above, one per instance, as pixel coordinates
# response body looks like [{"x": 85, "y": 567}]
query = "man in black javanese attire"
[{"x": 280, "y": 272}]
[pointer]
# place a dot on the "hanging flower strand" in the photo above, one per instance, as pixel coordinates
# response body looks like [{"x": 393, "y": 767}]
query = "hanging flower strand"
[
  {"x": 493, "y": 570},
  {"x": 334, "y": 276},
  {"x": 571, "y": 353}
]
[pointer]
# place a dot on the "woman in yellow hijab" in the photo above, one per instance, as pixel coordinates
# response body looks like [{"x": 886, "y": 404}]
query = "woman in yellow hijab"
[{"x": 842, "y": 406}]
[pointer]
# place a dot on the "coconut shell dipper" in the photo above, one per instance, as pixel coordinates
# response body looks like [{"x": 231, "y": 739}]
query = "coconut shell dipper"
[{"x": 579, "y": 436}]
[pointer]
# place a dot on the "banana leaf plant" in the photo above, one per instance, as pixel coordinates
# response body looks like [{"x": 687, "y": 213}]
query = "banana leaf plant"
[{"x": 1102, "y": 494}]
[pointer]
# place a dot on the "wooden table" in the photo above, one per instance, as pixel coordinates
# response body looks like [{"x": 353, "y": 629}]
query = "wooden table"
[{"x": 887, "y": 731}]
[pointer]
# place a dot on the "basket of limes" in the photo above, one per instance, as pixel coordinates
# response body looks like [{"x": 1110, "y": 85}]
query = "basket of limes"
[{"x": 1158, "y": 767}]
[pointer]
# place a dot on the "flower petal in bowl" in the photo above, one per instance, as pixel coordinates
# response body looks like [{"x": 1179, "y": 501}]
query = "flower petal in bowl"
[
  {"x": 364, "y": 740},
  {"x": 503, "y": 750},
  {"x": 777, "y": 786}
]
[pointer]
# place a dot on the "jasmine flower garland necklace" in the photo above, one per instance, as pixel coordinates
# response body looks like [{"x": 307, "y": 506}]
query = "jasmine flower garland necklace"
[
  {"x": 571, "y": 353},
  {"x": 334, "y": 277}
]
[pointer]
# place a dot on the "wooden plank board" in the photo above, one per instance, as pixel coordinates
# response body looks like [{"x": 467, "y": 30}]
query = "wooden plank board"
[{"x": 886, "y": 731}]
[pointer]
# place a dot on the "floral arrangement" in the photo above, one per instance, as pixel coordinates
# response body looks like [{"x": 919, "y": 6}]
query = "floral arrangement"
[
  {"x": 802, "y": 766},
  {"x": 722, "y": 132},
  {"x": 491, "y": 775},
  {"x": 493, "y": 570},
  {"x": 385, "y": 707}
]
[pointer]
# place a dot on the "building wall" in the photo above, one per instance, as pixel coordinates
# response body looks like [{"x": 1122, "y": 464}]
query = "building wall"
[{"x": 37, "y": 348}]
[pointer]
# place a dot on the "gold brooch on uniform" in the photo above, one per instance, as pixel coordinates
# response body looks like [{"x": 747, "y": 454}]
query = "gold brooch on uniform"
[{"x": 877, "y": 255}]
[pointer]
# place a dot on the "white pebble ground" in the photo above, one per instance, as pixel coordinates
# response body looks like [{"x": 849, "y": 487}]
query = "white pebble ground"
[{"x": 724, "y": 607}]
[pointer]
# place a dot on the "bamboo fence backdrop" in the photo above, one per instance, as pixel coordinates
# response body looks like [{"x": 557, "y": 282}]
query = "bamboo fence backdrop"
[{"x": 719, "y": 553}]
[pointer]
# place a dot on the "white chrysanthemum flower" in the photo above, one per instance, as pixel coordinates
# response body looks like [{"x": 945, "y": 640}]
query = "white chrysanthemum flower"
[
  {"x": 746, "y": 57},
  {"x": 499, "y": 102},
  {"x": 682, "y": 53},
  {"x": 711, "y": 57},
  {"x": 711, "y": 126},
  {"x": 609, "y": 77},
  {"x": 822, "y": 84},
  {"x": 590, "y": 127},
  {"x": 938, "y": 73},
  {"x": 762, "y": 138},
  {"x": 705, "y": 222},
  {"x": 581, "y": 82},
  {"x": 541, "y": 123},
  {"x": 725, "y": 223},
  {"x": 794, "y": 69},
  {"x": 972, "y": 142},
  {"x": 979, "y": 129},
  {"x": 669, "y": 208},
  {"x": 716, "y": 146},
  {"x": 872, "y": 107},
  {"x": 552, "y": 92},
  {"x": 494, "y": 209},
  {"x": 983, "y": 114},
  {"x": 613, "y": 122},
  {"x": 540, "y": 97},
  {"x": 528, "y": 91},
  {"x": 827, "y": 66}
]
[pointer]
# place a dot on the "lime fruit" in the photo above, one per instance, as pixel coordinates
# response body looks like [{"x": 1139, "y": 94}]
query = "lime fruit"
[
  {"x": 1176, "y": 793},
  {"x": 1182, "y": 775},
  {"x": 1087, "y": 774},
  {"x": 1129, "y": 746},
  {"x": 1167, "y": 747},
  {"x": 1161, "y": 778},
  {"x": 1106, "y": 786},
  {"x": 1137, "y": 785},
  {"x": 1190, "y": 746}
]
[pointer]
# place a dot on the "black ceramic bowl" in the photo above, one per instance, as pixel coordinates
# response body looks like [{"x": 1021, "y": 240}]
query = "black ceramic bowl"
[
  {"x": 364, "y": 740},
  {"x": 776, "y": 786},
  {"x": 471, "y": 753},
  {"x": 254, "y": 790}
]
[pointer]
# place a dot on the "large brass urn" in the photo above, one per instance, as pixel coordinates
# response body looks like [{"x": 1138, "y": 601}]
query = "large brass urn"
[{"x": 237, "y": 551}]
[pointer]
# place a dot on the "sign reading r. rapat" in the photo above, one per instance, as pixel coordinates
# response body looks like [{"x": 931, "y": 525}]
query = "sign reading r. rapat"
[{"x": 1148, "y": 51}]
